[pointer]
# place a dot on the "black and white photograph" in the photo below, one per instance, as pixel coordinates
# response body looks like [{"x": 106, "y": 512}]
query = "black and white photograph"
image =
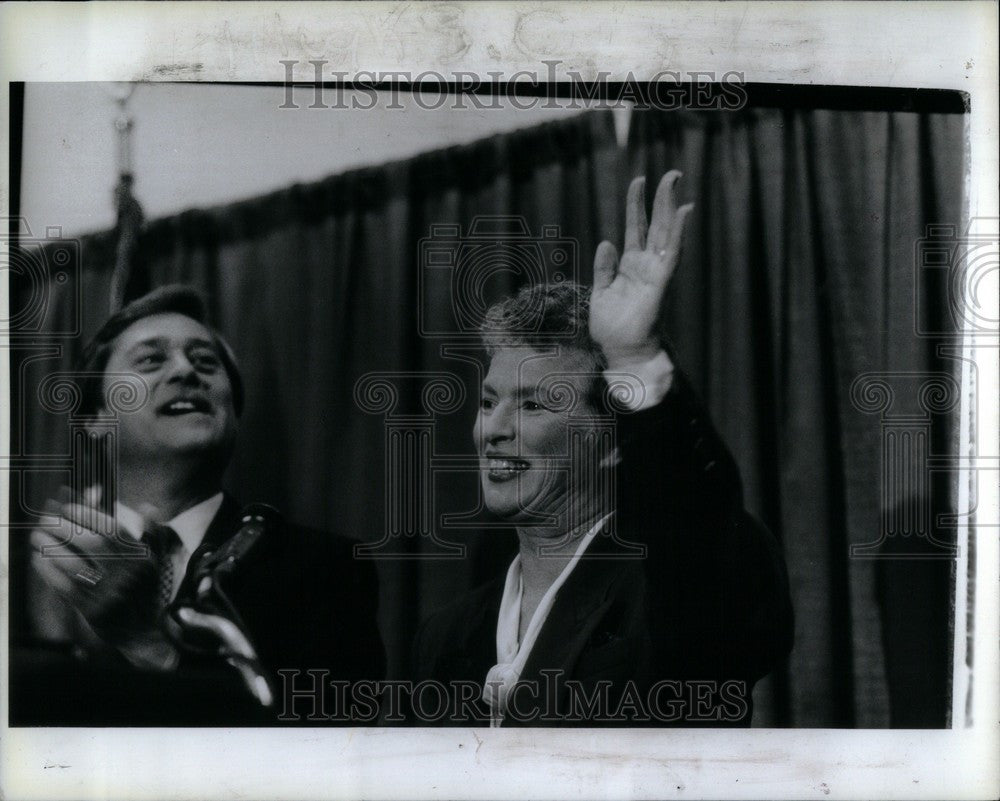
[{"x": 519, "y": 408}]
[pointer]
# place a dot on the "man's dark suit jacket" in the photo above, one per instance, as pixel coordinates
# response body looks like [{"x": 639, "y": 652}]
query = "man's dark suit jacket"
[
  {"x": 707, "y": 606},
  {"x": 307, "y": 604}
]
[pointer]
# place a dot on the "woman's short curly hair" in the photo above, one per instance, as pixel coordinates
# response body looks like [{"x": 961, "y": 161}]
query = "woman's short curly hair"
[{"x": 540, "y": 316}]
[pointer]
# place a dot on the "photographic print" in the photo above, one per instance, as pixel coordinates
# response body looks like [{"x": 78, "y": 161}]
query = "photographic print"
[{"x": 506, "y": 405}]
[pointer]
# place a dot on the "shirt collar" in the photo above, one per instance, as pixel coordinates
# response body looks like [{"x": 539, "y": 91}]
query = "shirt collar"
[
  {"x": 190, "y": 525},
  {"x": 509, "y": 621},
  {"x": 512, "y": 652}
]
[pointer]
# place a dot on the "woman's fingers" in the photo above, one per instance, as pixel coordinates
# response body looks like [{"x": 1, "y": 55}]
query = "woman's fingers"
[
  {"x": 605, "y": 265},
  {"x": 664, "y": 217},
  {"x": 636, "y": 224}
]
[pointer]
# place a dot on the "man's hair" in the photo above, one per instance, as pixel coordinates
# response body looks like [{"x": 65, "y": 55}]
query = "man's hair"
[
  {"x": 544, "y": 316},
  {"x": 176, "y": 298}
]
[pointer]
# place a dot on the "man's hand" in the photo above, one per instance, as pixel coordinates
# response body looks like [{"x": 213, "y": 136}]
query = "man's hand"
[
  {"x": 625, "y": 302},
  {"x": 109, "y": 577}
]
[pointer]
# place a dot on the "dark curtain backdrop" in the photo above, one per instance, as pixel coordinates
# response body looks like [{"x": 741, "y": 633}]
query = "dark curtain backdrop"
[{"x": 797, "y": 276}]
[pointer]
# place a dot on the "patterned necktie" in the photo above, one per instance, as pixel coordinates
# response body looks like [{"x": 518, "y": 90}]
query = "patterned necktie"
[{"x": 162, "y": 541}]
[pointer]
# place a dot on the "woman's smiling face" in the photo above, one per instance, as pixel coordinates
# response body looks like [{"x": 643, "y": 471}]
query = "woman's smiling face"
[{"x": 522, "y": 430}]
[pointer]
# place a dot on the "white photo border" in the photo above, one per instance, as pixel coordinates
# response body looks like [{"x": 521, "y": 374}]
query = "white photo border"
[{"x": 900, "y": 44}]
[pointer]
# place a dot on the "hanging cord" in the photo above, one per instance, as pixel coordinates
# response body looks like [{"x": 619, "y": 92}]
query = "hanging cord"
[
  {"x": 130, "y": 219},
  {"x": 129, "y": 213}
]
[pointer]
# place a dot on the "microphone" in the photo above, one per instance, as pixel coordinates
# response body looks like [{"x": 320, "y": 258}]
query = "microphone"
[
  {"x": 257, "y": 522},
  {"x": 209, "y": 623}
]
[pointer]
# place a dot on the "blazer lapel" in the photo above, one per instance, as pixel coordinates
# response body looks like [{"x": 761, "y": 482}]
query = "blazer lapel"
[
  {"x": 223, "y": 525},
  {"x": 577, "y": 611},
  {"x": 478, "y": 648}
]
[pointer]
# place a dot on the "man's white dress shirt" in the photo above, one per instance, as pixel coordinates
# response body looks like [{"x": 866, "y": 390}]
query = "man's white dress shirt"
[{"x": 191, "y": 525}]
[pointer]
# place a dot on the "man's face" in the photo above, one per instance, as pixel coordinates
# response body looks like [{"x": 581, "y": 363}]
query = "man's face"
[
  {"x": 190, "y": 404},
  {"x": 528, "y": 401}
]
